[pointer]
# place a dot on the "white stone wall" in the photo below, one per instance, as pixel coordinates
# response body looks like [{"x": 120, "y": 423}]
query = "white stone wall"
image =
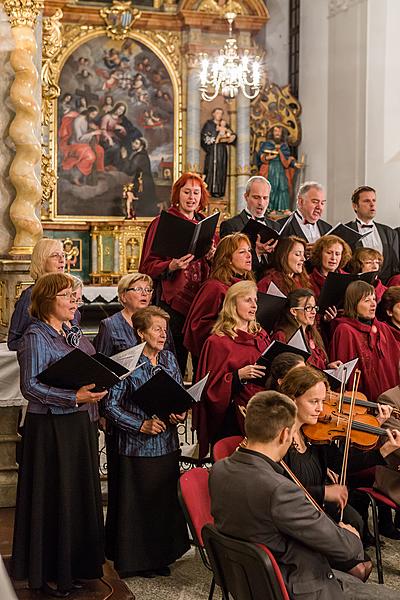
[
  {"x": 7, "y": 192},
  {"x": 274, "y": 37}
]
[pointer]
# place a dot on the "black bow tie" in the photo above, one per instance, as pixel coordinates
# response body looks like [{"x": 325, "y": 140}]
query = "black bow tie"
[
  {"x": 304, "y": 221},
  {"x": 260, "y": 219},
  {"x": 364, "y": 226}
]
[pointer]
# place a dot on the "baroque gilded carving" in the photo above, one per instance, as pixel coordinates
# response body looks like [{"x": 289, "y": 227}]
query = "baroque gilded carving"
[
  {"x": 25, "y": 125},
  {"x": 120, "y": 18},
  {"x": 61, "y": 40},
  {"x": 52, "y": 44},
  {"x": 23, "y": 13},
  {"x": 274, "y": 106},
  {"x": 220, "y": 7}
]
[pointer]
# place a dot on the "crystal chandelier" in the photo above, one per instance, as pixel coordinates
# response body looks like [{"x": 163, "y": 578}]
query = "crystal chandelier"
[{"x": 229, "y": 72}]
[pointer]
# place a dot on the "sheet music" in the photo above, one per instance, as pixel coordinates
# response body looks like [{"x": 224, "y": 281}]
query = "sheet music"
[
  {"x": 129, "y": 358},
  {"x": 338, "y": 373},
  {"x": 273, "y": 290},
  {"x": 297, "y": 340},
  {"x": 197, "y": 389}
]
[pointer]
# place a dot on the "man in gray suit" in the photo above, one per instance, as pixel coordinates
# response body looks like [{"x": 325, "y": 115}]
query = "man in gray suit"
[{"x": 252, "y": 499}]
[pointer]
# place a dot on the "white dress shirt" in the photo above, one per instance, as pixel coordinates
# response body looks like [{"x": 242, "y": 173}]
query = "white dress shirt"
[
  {"x": 310, "y": 230},
  {"x": 373, "y": 239}
]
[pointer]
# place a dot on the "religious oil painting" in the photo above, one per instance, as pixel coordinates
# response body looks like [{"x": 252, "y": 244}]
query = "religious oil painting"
[{"x": 115, "y": 123}]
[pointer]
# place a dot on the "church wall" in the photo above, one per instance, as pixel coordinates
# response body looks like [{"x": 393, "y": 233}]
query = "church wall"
[
  {"x": 7, "y": 192},
  {"x": 383, "y": 108},
  {"x": 274, "y": 37},
  {"x": 313, "y": 88}
]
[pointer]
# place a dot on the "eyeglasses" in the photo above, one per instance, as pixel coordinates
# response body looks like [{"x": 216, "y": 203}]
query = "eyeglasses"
[
  {"x": 307, "y": 309},
  {"x": 59, "y": 255},
  {"x": 69, "y": 295},
  {"x": 140, "y": 290}
]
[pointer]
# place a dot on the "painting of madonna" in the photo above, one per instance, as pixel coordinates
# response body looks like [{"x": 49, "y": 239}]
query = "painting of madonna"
[{"x": 115, "y": 118}]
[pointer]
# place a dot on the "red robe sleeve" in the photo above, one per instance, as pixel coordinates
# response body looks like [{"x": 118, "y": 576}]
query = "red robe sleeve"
[
  {"x": 150, "y": 264},
  {"x": 202, "y": 315}
]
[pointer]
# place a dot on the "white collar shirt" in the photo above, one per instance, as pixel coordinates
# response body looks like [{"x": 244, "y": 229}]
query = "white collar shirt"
[
  {"x": 373, "y": 239},
  {"x": 310, "y": 230}
]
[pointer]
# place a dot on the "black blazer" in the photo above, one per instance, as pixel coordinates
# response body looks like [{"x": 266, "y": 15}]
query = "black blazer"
[
  {"x": 236, "y": 224},
  {"x": 294, "y": 228},
  {"x": 390, "y": 244}
]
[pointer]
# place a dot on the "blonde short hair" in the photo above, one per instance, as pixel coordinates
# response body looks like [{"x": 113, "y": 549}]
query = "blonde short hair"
[
  {"x": 128, "y": 280},
  {"x": 228, "y": 318},
  {"x": 41, "y": 252}
]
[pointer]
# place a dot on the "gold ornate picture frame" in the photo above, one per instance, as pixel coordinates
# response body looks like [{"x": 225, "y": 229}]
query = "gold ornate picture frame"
[{"x": 82, "y": 153}]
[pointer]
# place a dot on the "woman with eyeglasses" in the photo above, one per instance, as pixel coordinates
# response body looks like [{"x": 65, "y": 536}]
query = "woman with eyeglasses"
[
  {"x": 149, "y": 529},
  {"x": 288, "y": 272},
  {"x": 229, "y": 356},
  {"x": 47, "y": 257},
  {"x": 116, "y": 333},
  {"x": 301, "y": 311},
  {"x": 232, "y": 262},
  {"x": 58, "y": 533},
  {"x": 330, "y": 254},
  {"x": 368, "y": 260},
  {"x": 178, "y": 279},
  {"x": 359, "y": 334}
]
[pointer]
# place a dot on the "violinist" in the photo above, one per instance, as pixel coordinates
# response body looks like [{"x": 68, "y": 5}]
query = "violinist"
[
  {"x": 281, "y": 365},
  {"x": 303, "y": 539},
  {"x": 317, "y": 465},
  {"x": 301, "y": 311},
  {"x": 359, "y": 333}
]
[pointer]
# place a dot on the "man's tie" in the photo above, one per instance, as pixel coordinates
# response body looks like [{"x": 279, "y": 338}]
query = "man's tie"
[{"x": 364, "y": 226}]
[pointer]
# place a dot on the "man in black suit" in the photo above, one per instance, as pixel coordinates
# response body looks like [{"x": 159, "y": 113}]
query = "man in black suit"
[
  {"x": 306, "y": 220},
  {"x": 257, "y": 194},
  {"x": 252, "y": 499},
  {"x": 381, "y": 237}
]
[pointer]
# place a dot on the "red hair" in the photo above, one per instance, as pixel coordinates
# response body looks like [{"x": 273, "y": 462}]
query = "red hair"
[{"x": 182, "y": 181}]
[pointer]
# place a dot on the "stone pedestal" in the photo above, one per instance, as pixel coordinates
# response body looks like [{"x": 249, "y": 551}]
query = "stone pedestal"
[{"x": 8, "y": 467}]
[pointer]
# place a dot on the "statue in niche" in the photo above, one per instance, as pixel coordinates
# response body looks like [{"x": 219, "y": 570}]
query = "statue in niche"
[
  {"x": 278, "y": 166},
  {"x": 216, "y": 135}
]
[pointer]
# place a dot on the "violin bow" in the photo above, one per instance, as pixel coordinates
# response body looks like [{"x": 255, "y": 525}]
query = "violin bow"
[
  {"x": 343, "y": 475},
  {"x": 300, "y": 485},
  {"x": 342, "y": 389}
]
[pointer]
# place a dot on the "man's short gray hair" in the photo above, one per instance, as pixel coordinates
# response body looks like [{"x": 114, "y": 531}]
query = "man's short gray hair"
[
  {"x": 307, "y": 186},
  {"x": 254, "y": 179}
]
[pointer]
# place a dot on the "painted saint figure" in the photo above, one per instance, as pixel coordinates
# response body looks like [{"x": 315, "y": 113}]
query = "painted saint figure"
[
  {"x": 275, "y": 164},
  {"x": 215, "y": 136}
]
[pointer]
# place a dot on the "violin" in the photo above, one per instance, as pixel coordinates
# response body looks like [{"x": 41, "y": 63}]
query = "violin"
[
  {"x": 362, "y": 404},
  {"x": 332, "y": 425}
]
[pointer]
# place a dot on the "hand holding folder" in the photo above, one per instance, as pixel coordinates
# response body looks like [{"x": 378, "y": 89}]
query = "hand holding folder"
[{"x": 176, "y": 237}]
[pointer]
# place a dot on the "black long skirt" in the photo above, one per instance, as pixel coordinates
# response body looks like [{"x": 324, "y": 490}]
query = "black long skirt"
[
  {"x": 58, "y": 533},
  {"x": 151, "y": 530}
]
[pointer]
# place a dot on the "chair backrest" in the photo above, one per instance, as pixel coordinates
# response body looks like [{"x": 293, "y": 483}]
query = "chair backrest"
[
  {"x": 246, "y": 570},
  {"x": 225, "y": 447},
  {"x": 195, "y": 500}
]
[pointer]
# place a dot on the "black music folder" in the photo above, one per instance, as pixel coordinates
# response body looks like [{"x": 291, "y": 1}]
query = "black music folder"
[
  {"x": 162, "y": 395},
  {"x": 296, "y": 345},
  {"x": 176, "y": 237},
  {"x": 77, "y": 368},
  {"x": 335, "y": 286},
  {"x": 270, "y": 307},
  {"x": 253, "y": 228},
  {"x": 346, "y": 233}
]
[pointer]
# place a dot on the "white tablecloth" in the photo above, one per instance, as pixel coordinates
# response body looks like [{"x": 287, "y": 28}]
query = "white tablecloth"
[
  {"x": 10, "y": 394},
  {"x": 106, "y": 293}
]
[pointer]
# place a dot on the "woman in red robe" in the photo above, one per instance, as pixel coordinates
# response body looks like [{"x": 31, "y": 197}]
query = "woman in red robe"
[
  {"x": 329, "y": 255},
  {"x": 301, "y": 311},
  {"x": 231, "y": 263},
  {"x": 229, "y": 356},
  {"x": 366, "y": 260},
  {"x": 359, "y": 334},
  {"x": 288, "y": 272},
  {"x": 390, "y": 307},
  {"x": 178, "y": 279}
]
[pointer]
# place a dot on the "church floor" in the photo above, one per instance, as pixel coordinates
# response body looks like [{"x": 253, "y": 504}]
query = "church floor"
[{"x": 189, "y": 579}]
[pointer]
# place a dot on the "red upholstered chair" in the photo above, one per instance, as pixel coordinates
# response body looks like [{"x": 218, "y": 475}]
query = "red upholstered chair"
[
  {"x": 195, "y": 500},
  {"x": 378, "y": 498},
  {"x": 246, "y": 570},
  {"x": 226, "y": 447}
]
